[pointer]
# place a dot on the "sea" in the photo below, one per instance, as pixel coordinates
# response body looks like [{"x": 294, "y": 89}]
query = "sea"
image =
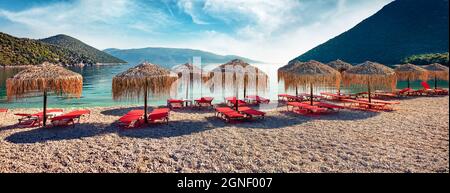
[{"x": 97, "y": 89}]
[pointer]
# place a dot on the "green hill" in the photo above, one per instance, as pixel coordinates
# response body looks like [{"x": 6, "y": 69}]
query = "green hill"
[
  {"x": 78, "y": 46},
  {"x": 401, "y": 29},
  {"x": 22, "y": 51},
  {"x": 170, "y": 56}
]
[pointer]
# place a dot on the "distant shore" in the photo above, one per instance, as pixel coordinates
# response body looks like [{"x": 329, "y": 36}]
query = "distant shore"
[
  {"x": 96, "y": 64},
  {"x": 414, "y": 138}
]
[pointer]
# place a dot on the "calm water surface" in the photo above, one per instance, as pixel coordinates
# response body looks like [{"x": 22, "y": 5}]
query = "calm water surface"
[{"x": 97, "y": 82}]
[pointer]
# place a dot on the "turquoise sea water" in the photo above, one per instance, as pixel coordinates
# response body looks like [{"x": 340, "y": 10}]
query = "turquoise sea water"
[{"x": 97, "y": 82}]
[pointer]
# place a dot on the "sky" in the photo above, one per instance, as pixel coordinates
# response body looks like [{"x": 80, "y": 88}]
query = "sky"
[{"x": 264, "y": 30}]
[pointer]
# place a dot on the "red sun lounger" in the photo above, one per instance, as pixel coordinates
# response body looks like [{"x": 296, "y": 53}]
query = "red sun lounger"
[
  {"x": 384, "y": 95},
  {"x": 34, "y": 120},
  {"x": 290, "y": 98},
  {"x": 69, "y": 118},
  {"x": 231, "y": 101},
  {"x": 404, "y": 92},
  {"x": 228, "y": 114},
  {"x": 305, "y": 108},
  {"x": 250, "y": 113},
  {"x": 3, "y": 110},
  {"x": 204, "y": 102},
  {"x": 333, "y": 107},
  {"x": 429, "y": 91},
  {"x": 132, "y": 119},
  {"x": 365, "y": 104},
  {"x": 335, "y": 96},
  {"x": 255, "y": 99},
  {"x": 379, "y": 101},
  {"x": 160, "y": 114},
  {"x": 175, "y": 103}
]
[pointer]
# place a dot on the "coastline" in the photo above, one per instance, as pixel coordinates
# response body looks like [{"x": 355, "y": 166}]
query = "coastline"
[
  {"x": 80, "y": 65},
  {"x": 414, "y": 138}
]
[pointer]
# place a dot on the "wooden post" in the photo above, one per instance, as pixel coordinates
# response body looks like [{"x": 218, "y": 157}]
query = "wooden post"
[
  {"x": 44, "y": 122},
  {"x": 409, "y": 85},
  {"x": 312, "y": 95},
  {"x": 296, "y": 90},
  {"x": 245, "y": 87},
  {"x": 236, "y": 105},
  {"x": 145, "y": 102},
  {"x": 368, "y": 89},
  {"x": 435, "y": 82}
]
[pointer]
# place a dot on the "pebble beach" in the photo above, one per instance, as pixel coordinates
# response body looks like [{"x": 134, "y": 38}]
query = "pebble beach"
[{"x": 413, "y": 138}]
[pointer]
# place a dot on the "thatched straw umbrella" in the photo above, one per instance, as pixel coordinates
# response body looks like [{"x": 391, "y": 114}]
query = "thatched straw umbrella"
[
  {"x": 140, "y": 80},
  {"x": 195, "y": 74},
  {"x": 250, "y": 74},
  {"x": 410, "y": 72},
  {"x": 370, "y": 74},
  {"x": 311, "y": 73},
  {"x": 340, "y": 66},
  {"x": 45, "y": 78},
  {"x": 438, "y": 71}
]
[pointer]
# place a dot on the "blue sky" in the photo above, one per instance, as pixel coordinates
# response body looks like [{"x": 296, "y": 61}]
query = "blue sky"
[{"x": 265, "y": 30}]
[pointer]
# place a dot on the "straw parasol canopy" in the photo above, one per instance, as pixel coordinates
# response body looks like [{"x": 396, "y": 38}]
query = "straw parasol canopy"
[
  {"x": 438, "y": 71},
  {"x": 45, "y": 78},
  {"x": 370, "y": 74},
  {"x": 340, "y": 65},
  {"x": 189, "y": 74},
  {"x": 140, "y": 80},
  {"x": 237, "y": 67},
  {"x": 312, "y": 73},
  {"x": 410, "y": 72}
]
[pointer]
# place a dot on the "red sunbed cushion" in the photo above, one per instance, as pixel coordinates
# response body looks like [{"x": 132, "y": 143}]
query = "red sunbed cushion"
[
  {"x": 39, "y": 114},
  {"x": 223, "y": 109},
  {"x": 328, "y": 105},
  {"x": 379, "y": 101},
  {"x": 131, "y": 116},
  {"x": 233, "y": 114},
  {"x": 250, "y": 111},
  {"x": 425, "y": 85},
  {"x": 174, "y": 101},
  {"x": 404, "y": 90},
  {"x": 3, "y": 110},
  {"x": 159, "y": 113},
  {"x": 297, "y": 104},
  {"x": 204, "y": 100},
  {"x": 71, "y": 115}
]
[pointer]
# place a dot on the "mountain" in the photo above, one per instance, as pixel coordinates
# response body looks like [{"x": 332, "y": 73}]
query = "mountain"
[
  {"x": 170, "y": 56},
  {"x": 399, "y": 30},
  {"x": 78, "y": 46},
  {"x": 22, "y": 51}
]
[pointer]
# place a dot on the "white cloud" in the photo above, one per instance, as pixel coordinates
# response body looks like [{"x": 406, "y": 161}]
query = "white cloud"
[{"x": 188, "y": 6}]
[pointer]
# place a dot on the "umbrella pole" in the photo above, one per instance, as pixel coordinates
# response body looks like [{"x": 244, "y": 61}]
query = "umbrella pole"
[
  {"x": 145, "y": 103},
  {"x": 187, "y": 89},
  {"x": 312, "y": 95},
  {"x": 409, "y": 86},
  {"x": 236, "y": 105},
  {"x": 368, "y": 89},
  {"x": 296, "y": 90},
  {"x": 245, "y": 89},
  {"x": 257, "y": 83},
  {"x": 435, "y": 82},
  {"x": 45, "y": 109}
]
